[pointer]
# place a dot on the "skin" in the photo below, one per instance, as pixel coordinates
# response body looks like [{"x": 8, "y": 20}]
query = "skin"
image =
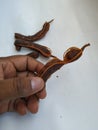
[{"x": 16, "y": 96}]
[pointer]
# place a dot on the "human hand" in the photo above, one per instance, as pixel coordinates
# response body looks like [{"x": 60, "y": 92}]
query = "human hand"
[{"x": 19, "y": 88}]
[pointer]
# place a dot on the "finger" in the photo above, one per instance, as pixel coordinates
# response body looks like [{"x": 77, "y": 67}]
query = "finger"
[
  {"x": 3, "y": 107},
  {"x": 25, "y": 74},
  {"x": 30, "y": 74},
  {"x": 1, "y": 72},
  {"x": 20, "y": 107},
  {"x": 11, "y": 106},
  {"x": 42, "y": 94},
  {"x": 20, "y": 87},
  {"x": 25, "y": 63},
  {"x": 33, "y": 104},
  {"x": 34, "y": 65},
  {"x": 22, "y": 74}
]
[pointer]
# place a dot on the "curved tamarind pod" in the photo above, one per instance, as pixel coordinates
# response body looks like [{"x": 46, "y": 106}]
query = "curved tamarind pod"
[
  {"x": 73, "y": 53},
  {"x": 53, "y": 65},
  {"x": 39, "y": 35},
  {"x": 45, "y": 51}
]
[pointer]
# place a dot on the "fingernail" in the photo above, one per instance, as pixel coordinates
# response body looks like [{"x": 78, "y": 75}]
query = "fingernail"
[{"x": 37, "y": 84}]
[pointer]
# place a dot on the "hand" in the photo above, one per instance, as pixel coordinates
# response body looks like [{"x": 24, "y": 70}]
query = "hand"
[{"x": 20, "y": 90}]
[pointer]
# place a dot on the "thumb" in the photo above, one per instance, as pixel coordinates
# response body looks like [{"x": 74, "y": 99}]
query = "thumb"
[{"x": 20, "y": 87}]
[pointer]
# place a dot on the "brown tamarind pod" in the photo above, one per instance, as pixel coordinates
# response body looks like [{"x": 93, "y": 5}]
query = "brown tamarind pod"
[
  {"x": 45, "y": 51},
  {"x": 39, "y": 35},
  {"x": 50, "y": 67},
  {"x": 73, "y": 53},
  {"x": 70, "y": 55}
]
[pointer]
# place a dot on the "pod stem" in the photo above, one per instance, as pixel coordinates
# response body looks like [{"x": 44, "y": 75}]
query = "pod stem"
[
  {"x": 51, "y": 21},
  {"x": 86, "y": 45}
]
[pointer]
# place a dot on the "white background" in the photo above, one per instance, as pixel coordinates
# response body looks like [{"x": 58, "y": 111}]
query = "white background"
[{"x": 72, "y": 100}]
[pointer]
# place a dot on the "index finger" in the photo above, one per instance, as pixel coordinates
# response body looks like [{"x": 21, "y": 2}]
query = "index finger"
[{"x": 25, "y": 63}]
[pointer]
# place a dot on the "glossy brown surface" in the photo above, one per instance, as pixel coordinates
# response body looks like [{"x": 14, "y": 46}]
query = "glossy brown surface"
[
  {"x": 53, "y": 65},
  {"x": 70, "y": 55},
  {"x": 39, "y": 35},
  {"x": 45, "y": 51}
]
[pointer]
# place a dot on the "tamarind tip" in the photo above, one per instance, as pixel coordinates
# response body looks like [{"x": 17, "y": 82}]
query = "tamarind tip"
[
  {"x": 51, "y": 21},
  {"x": 86, "y": 45}
]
